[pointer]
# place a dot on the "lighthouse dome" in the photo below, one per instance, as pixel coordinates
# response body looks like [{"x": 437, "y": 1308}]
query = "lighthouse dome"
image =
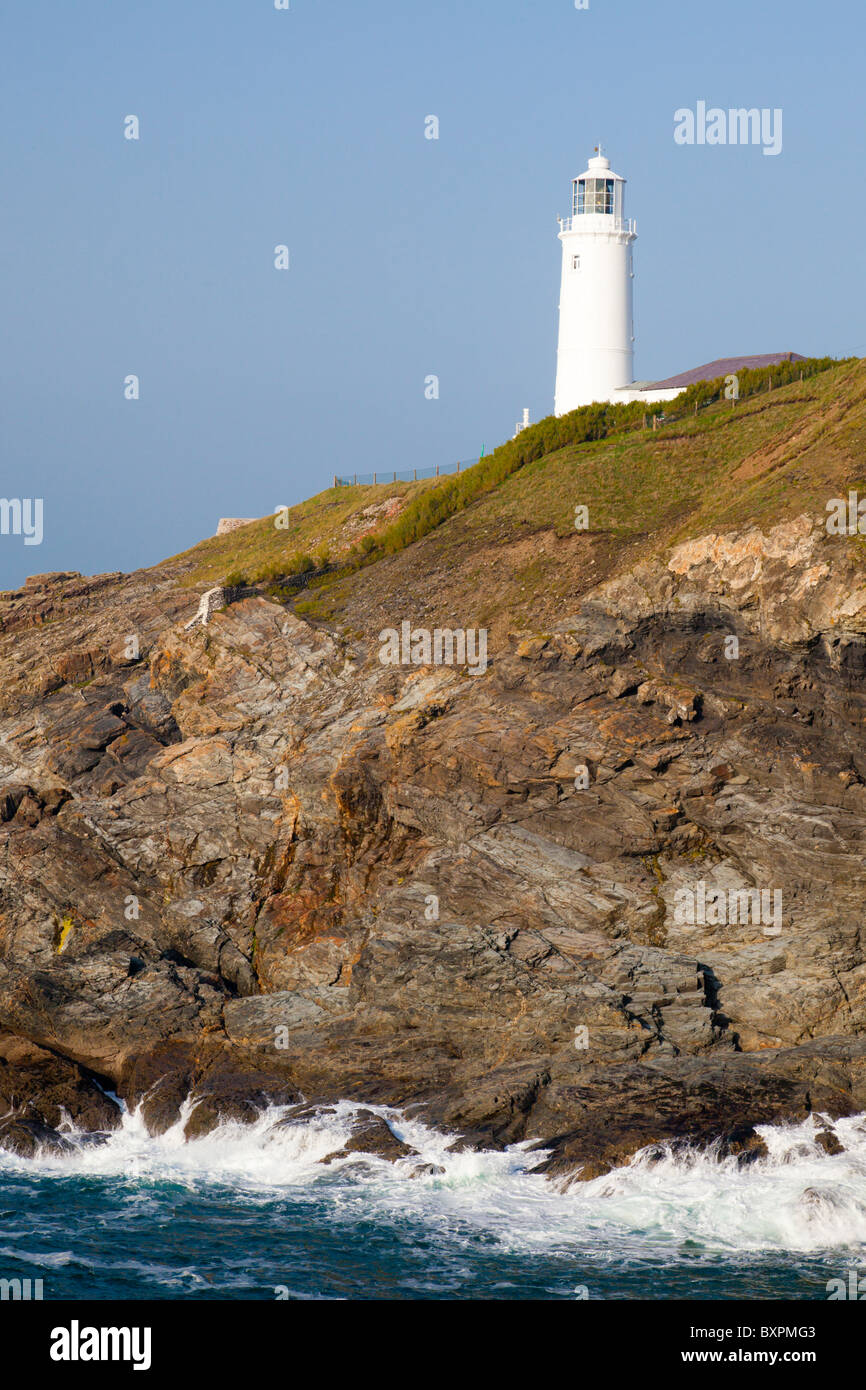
[{"x": 597, "y": 164}]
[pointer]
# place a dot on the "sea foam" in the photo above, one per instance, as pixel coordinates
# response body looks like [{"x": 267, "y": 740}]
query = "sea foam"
[{"x": 796, "y": 1198}]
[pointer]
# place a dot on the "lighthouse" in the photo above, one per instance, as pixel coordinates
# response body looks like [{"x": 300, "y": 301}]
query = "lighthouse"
[{"x": 596, "y": 333}]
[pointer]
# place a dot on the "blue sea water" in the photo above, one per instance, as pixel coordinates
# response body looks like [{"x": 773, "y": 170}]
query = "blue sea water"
[{"x": 250, "y": 1212}]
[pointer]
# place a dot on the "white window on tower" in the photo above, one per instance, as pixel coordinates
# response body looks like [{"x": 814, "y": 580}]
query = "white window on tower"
[{"x": 575, "y": 262}]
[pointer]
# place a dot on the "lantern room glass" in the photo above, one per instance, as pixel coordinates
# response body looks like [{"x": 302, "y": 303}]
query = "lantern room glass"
[{"x": 592, "y": 196}]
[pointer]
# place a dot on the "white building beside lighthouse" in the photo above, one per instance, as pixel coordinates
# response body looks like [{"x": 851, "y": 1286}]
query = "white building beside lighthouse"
[{"x": 596, "y": 325}]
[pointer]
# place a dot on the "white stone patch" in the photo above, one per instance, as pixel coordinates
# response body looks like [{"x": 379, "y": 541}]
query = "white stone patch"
[{"x": 210, "y": 602}]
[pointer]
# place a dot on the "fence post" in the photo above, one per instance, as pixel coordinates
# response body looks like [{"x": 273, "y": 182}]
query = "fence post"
[
  {"x": 414, "y": 475},
  {"x": 355, "y": 476},
  {"x": 437, "y": 470},
  {"x": 458, "y": 465},
  {"x": 655, "y": 421},
  {"x": 335, "y": 480}
]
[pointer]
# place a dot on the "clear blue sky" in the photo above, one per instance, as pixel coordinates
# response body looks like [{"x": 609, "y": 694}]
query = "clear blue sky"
[{"x": 408, "y": 256}]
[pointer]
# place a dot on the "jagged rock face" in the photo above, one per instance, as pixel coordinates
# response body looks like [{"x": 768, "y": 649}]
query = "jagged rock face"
[{"x": 251, "y": 861}]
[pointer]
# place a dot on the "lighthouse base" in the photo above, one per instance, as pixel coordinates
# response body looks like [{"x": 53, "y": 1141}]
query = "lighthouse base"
[{"x": 624, "y": 395}]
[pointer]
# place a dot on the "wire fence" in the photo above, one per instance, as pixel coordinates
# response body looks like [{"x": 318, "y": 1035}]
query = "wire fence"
[
  {"x": 666, "y": 417},
  {"x": 408, "y": 475}
]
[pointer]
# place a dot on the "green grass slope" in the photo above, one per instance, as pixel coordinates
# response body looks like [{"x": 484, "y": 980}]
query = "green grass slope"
[{"x": 498, "y": 543}]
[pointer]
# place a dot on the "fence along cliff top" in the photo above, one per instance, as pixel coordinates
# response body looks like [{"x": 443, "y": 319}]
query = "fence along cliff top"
[{"x": 409, "y": 475}]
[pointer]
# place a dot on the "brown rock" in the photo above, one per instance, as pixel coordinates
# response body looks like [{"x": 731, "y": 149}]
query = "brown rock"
[
  {"x": 372, "y": 1136},
  {"x": 246, "y": 832}
]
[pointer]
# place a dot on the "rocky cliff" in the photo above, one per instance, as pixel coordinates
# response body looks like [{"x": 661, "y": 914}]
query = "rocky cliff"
[{"x": 247, "y": 861}]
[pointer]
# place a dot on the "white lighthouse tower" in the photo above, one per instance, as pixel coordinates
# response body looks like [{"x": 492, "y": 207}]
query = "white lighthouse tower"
[{"x": 596, "y": 334}]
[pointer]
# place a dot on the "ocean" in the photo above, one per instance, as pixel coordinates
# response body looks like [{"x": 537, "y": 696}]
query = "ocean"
[{"x": 249, "y": 1213}]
